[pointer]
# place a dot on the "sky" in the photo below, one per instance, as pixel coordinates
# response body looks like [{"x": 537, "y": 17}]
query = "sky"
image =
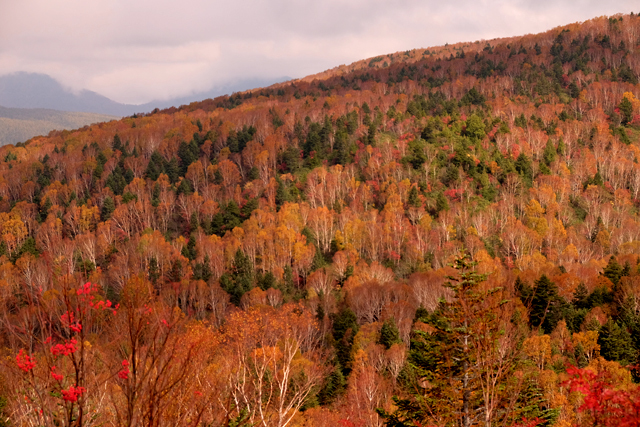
[{"x": 135, "y": 51}]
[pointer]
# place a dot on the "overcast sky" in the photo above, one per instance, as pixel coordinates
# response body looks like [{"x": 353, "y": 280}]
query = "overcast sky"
[{"x": 135, "y": 51}]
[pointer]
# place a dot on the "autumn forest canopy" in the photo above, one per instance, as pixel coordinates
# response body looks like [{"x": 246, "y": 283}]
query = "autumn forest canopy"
[{"x": 437, "y": 237}]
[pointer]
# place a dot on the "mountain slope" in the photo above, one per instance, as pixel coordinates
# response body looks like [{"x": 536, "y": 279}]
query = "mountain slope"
[{"x": 309, "y": 241}]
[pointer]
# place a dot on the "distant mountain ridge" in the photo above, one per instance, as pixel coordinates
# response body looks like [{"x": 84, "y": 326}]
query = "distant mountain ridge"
[
  {"x": 30, "y": 90},
  {"x": 21, "y": 124},
  {"x": 34, "y": 90}
]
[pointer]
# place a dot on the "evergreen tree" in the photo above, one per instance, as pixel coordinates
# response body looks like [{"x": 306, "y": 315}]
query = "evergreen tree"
[
  {"x": 453, "y": 358},
  {"x": 176, "y": 273},
  {"x": 117, "y": 143},
  {"x": 202, "y": 271},
  {"x": 626, "y": 270},
  {"x": 288, "y": 285},
  {"x": 227, "y": 218},
  {"x": 475, "y": 128},
  {"x": 616, "y": 343},
  {"x": 189, "y": 250},
  {"x": 194, "y": 224},
  {"x": 291, "y": 159},
  {"x": 206, "y": 274},
  {"x": 108, "y": 206},
  {"x": 626, "y": 108},
  {"x": 282, "y": 193},
  {"x": 172, "y": 169},
  {"x": 599, "y": 297},
  {"x": 580, "y": 296},
  {"x": 154, "y": 271},
  {"x": 155, "y": 196},
  {"x": 549, "y": 155},
  {"x": 629, "y": 318},
  {"x": 533, "y": 404},
  {"x": 155, "y": 166},
  {"x": 371, "y": 134},
  {"x": 580, "y": 356},
  {"x": 442, "y": 204},
  {"x": 524, "y": 168},
  {"x": 267, "y": 280},
  {"x": 5, "y": 420},
  {"x": 345, "y": 328},
  {"x": 412, "y": 198},
  {"x": 249, "y": 207},
  {"x": 185, "y": 187},
  {"x": 334, "y": 386},
  {"x": 241, "y": 278},
  {"x": 43, "y": 210},
  {"x": 562, "y": 147},
  {"x": 116, "y": 181},
  {"x": 613, "y": 271},
  {"x": 546, "y": 305},
  {"x": 389, "y": 334},
  {"x": 188, "y": 153}
]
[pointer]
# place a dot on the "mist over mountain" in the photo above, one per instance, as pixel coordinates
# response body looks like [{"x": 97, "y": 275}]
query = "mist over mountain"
[{"x": 34, "y": 90}]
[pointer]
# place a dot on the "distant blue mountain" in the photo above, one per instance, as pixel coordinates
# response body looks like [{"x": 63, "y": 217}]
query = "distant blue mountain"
[
  {"x": 29, "y": 90},
  {"x": 32, "y": 90}
]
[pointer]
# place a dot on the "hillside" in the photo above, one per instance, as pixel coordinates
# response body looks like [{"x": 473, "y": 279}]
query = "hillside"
[
  {"x": 21, "y": 124},
  {"x": 442, "y": 236}
]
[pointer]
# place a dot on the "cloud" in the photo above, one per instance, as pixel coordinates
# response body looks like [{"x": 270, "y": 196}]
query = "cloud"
[{"x": 138, "y": 50}]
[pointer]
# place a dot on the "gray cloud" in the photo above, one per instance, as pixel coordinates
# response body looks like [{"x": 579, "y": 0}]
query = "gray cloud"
[{"x": 138, "y": 50}]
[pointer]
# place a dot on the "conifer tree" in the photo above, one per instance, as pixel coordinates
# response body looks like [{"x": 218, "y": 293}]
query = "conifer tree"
[
  {"x": 449, "y": 372},
  {"x": 241, "y": 278},
  {"x": 546, "y": 304},
  {"x": 345, "y": 328},
  {"x": 155, "y": 166},
  {"x": 613, "y": 271},
  {"x": 580, "y": 296},
  {"x": 334, "y": 386},
  {"x": 108, "y": 206},
  {"x": 616, "y": 343},
  {"x": 389, "y": 334}
]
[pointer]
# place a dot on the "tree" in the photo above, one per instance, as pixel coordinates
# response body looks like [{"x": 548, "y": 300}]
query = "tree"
[
  {"x": 603, "y": 403},
  {"x": 345, "y": 328},
  {"x": 156, "y": 361},
  {"x": 626, "y": 108},
  {"x": 108, "y": 206},
  {"x": 475, "y": 127},
  {"x": 334, "y": 385},
  {"x": 389, "y": 334},
  {"x": 546, "y": 304},
  {"x": 458, "y": 371},
  {"x": 241, "y": 279},
  {"x": 274, "y": 362},
  {"x": 580, "y": 296},
  {"x": 613, "y": 271},
  {"x": 61, "y": 385},
  {"x": 616, "y": 343},
  {"x": 549, "y": 155},
  {"x": 524, "y": 168},
  {"x": 155, "y": 166}
]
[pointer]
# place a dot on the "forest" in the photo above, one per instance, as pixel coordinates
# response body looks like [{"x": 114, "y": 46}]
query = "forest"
[{"x": 438, "y": 237}]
